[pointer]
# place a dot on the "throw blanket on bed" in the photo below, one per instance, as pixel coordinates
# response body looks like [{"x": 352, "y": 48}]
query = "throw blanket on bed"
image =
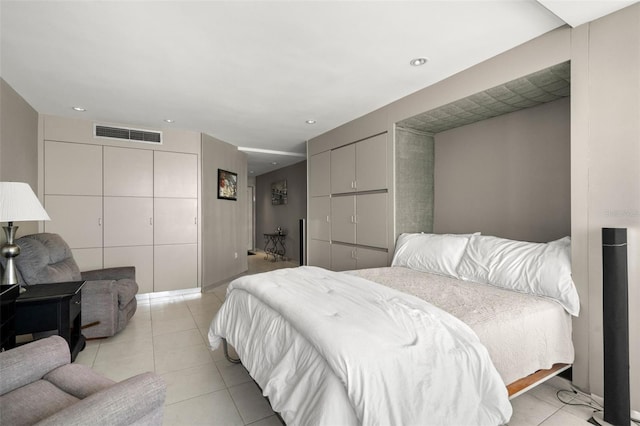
[{"x": 401, "y": 360}]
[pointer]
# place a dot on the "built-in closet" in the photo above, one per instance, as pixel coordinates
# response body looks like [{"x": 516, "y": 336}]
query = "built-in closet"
[{"x": 120, "y": 203}]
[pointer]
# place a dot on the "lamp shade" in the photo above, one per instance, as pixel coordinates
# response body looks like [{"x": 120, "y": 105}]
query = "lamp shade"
[{"x": 19, "y": 203}]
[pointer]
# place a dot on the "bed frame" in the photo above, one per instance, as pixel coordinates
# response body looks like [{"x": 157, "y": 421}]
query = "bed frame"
[
  {"x": 515, "y": 389},
  {"x": 532, "y": 380}
]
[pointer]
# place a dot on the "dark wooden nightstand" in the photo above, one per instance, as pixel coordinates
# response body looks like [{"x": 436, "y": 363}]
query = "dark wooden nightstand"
[
  {"x": 8, "y": 296},
  {"x": 55, "y": 306}
]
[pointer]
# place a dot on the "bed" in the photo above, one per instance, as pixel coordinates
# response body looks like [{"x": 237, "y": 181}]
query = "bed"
[{"x": 433, "y": 339}]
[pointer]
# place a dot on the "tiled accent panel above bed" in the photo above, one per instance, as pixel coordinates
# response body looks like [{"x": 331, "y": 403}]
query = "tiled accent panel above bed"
[{"x": 414, "y": 181}]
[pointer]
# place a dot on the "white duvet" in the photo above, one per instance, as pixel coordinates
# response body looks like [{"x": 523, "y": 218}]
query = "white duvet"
[{"x": 332, "y": 348}]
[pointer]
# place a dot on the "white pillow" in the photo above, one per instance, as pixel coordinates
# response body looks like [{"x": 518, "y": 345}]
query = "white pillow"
[
  {"x": 543, "y": 269},
  {"x": 434, "y": 253}
]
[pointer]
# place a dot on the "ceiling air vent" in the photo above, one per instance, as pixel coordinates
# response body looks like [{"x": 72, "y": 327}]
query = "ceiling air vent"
[{"x": 135, "y": 135}]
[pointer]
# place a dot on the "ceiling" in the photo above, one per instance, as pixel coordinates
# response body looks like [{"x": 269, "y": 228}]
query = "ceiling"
[{"x": 252, "y": 73}]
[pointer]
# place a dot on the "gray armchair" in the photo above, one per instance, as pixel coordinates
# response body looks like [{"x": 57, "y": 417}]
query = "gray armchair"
[
  {"x": 39, "y": 386},
  {"x": 108, "y": 297}
]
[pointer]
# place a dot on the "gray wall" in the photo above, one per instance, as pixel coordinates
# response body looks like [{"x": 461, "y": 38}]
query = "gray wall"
[
  {"x": 269, "y": 217},
  {"x": 18, "y": 145},
  {"x": 507, "y": 176},
  {"x": 224, "y": 222}
]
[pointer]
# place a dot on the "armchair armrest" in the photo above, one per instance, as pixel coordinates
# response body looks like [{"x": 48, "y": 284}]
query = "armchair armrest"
[
  {"x": 119, "y": 273},
  {"x": 96, "y": 287},
  {"x": 122, "y": 404},
  {"x": 28, "y": 363}
]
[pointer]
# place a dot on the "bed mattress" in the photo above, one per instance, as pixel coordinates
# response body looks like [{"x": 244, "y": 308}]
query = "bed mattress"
[
  {"x": 523, "y": 333},
  {"x": 333, "y": 348}
]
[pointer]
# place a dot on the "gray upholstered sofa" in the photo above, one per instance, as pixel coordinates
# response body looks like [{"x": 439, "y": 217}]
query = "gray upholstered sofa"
[
  {"x": 38, "y": 385},
  {"x": 108, "y": 297}
]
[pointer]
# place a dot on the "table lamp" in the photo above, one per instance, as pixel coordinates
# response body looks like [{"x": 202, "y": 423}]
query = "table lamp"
[{"x": 17, "y": 203}]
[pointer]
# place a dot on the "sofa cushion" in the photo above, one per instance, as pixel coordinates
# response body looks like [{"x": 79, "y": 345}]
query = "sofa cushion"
[
  {"x": 78, "y": 380},
  {"x": 45, "y": 258},
  {"x": 27, "y": 363},
  {"x": 31, "y": 403}
]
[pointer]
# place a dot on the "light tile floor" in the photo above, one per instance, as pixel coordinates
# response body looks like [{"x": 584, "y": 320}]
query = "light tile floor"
[{"x": 169, "y": 336}]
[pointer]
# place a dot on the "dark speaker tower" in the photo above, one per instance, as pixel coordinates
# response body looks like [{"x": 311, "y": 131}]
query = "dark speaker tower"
[
  {"x": 615, "y": 327},
  {"x": 303, "y": 241}
]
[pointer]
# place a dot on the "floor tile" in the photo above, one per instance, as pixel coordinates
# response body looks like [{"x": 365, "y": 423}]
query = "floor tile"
[
  {"x": 529, "y": 410},
  {"x": 191, "y": 382},
  {"x": 250, "y": 403},
  {"x": 233, "y": 374},
  {"x": 549, "y": 394},
  {"x": 111, "y": 351},
  {"x": 126, "y": 367},
  {"x": 215, "y": 408},
  {"x": 563, "y": 418},
  {"x": 203, "y": 320},
  {"x": 180, "y": 358},
  {"x": 178, "y": 339},
  {"x": 173, "y": 325},
  {"x": 88, "y": 355},
  {"x": 269, "y": 421},
  {"x": 585, "y": 411}
]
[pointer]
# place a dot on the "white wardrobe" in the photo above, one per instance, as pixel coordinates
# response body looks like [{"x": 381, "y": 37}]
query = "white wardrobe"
[{"x": 125, "y": 205}]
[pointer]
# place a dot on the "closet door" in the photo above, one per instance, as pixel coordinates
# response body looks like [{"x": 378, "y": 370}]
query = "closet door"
[
  {"x": 175, "y": 175},
  {"x": 176, "y": 221},
  {"x": 128, "y": 221},
  {"x": 371, "y": 163},
  {"x": 371, "y": 218},
  {"x": 175, "y": 185},
  {"x": 319, "y": 218},
  {"x": 128, "y": 212},
  {"x": 319, "y": 254},
  {"x": 73, "y": 198},
  {"x": 343, "y": 169},
  {"x": 72, "y": 169},
  {"x": 368, "y": 258},
  {"x": 128, "y": 172},
  {"x": 343, "y": 258},
  {"x": 175, "y": 267},
  {"x": 343, "y": 226},
  {"x": 320, "y": 174},
  {"x": 78, "y": 220}
]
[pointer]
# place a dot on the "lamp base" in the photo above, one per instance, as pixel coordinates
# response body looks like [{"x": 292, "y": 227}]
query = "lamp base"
[{"x": 10, "y": 250}]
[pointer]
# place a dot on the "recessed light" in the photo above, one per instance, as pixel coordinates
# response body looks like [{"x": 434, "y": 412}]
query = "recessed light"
[
  {"x": 80, "y": 109},
  {"x": 274, "y": 163},
  {"x": 418, "y": 61},
  {"x": 310, "y": 121},
  {"x": 168, "y": 120},
  {"x": 251, "y": 171}
]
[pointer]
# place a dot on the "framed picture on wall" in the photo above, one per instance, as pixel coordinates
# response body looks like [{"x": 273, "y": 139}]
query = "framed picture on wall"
[
  {"x": 227, "y": 185},
  {"x": 279, "y": 192}
]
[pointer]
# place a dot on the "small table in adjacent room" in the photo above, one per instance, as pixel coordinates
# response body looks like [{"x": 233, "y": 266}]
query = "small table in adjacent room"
[
  {"x": 274, "y": 245},
  {"x": 55, "y": 306}
]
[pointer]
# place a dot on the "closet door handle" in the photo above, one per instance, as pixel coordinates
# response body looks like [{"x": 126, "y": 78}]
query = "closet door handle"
[
  {"x": 99, "y": 221},
  {"x": 195, "y": 220},
  {"x": 328, "y": 219},
  {"x": 151, "y": 221}
]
